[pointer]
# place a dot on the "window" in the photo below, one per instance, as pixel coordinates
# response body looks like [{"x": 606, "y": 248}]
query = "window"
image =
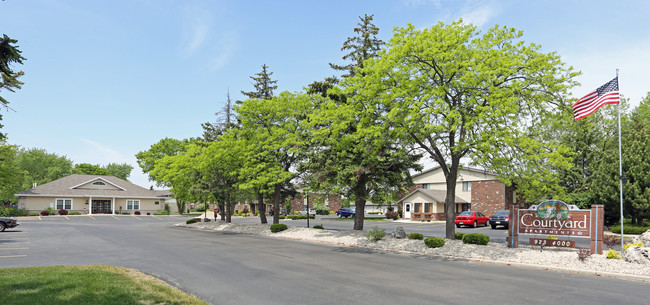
[
  {"x": 425, "y": 186},
  {"x": 416, "y": 208},
  {"x": 99, "y": 183},
  {"x": 466, "y": 207},
  {"x": 65, "y": 204},
  {"x": 133, "y": 204},
  {"x": 467, "y": 186},
  {"x": 427, "y": 207}
]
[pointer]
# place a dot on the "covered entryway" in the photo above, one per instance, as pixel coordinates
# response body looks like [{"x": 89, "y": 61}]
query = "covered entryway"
[
  {"x": 102, "y": 206},
  {"x": 408, "y": 208}
]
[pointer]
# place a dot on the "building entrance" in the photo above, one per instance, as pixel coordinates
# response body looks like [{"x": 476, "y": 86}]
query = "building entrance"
[{"x": 102, "y": 207}]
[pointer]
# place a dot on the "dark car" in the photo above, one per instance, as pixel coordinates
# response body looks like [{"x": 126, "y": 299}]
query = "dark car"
[
  {"x": 500, "y": 218},
  {"x": 471, "y": 218},
  {"x": 345, "y": 212},
  {"x": 7, "y": 222}
]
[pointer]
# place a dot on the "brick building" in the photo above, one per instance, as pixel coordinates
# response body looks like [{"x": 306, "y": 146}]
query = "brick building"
[{"x": 476, "y": 190}]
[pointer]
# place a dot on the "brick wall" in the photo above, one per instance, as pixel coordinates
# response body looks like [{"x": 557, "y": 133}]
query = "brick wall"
[
  {"x": 298, "y": 202},
  {"x": 489, "y": 196}
]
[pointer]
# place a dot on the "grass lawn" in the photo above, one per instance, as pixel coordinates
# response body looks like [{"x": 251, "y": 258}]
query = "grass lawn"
[{"x": 96, "y": 285}]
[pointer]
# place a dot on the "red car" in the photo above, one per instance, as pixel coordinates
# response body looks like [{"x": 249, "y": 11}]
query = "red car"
[{"x": 471, "y": 218}]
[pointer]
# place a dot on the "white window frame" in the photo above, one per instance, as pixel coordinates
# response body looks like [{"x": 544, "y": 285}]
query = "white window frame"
[
  {"x": 99, "y": 183},
  {"x": 426, "y": 186},
  {"x": 133, "y": 203},
  {"x": 63, "y": 206},
  {"x": 467, "y": 186}
]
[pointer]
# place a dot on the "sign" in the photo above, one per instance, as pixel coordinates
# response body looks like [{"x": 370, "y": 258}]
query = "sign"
[
  {"x": 555, "y": 217},
  {"x": 552, "y": 243}
]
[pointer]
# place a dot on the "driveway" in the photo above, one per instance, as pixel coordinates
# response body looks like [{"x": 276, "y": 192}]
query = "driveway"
[{"x": 240, "y": 269}]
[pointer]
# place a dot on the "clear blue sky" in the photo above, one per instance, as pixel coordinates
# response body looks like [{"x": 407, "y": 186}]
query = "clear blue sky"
[{"x": 107, "y": 79}]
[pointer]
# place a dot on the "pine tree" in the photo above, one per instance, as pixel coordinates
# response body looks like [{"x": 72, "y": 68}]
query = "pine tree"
[
  {"x": 362, "y": 47},
  {"x": 264, "y": 86},
  {"x": 9, "y": 54},
  {"x": 224, "y": 122}
]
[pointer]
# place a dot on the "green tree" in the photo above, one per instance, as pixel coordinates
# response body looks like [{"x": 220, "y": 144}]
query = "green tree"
[
  {"x": 9, "y": 55},
  {"x": 41, "y": 167},
  {"x": 454, "y": 94},
  {"x": 122, "y": 171},
  {"x": 263, "y": 84},
  {"x": 90, "y": 169},
  {"x": 362, "y": 46},
  {"x": 166, "y": 147},
  {"x": 225, "y": 121},
  {"x": 11, "y": 177}
]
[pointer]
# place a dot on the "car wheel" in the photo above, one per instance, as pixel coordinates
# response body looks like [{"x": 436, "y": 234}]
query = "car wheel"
[
  {"x": 2, "y": 226},
  {"x": 475, "y": 224},
  {"x": 494, "y": 226},
  {"x": 457, "y": 226}
]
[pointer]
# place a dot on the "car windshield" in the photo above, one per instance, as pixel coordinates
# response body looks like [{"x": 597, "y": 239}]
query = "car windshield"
[
  {"x": 466, "y": 214},
  {"x": 501, "y": 213}
]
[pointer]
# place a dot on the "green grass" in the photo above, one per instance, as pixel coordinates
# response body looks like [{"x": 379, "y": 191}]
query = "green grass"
[
  {"x": 98, "y": 285},
  {"x": 194, "y": 214}
]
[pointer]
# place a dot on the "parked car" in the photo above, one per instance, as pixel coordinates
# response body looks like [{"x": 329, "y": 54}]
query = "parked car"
[
  {"x": 283, "y": 211},
  {"x": 311, "y": 212},
  {"x": 345, "y": 212},
  {"x": 500, "y": 218},
  {"x": 7, "y": 222},
  {"x": 471, "y": 218}
]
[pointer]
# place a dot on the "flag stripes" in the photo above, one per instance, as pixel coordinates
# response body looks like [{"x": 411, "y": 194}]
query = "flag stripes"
[{"x": 605, "y": 94}]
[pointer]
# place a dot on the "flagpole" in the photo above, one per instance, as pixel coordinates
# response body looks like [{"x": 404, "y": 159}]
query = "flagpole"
[{"x": 620, "y": 168}]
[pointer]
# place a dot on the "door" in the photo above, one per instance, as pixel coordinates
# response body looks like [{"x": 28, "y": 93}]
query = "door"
[
  {"x": 407, "y": 209},
  {"x": 101, "y": 207}
]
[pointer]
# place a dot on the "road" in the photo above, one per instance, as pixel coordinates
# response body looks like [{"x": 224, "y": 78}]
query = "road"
[{"x": 241, "y": 269}]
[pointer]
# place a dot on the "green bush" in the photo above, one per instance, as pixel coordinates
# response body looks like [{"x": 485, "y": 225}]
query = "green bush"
[
  {"x": 163, "y": 212},
  {"x": 459, "y": 235},
  {"x": 277, "y": 227},
  {"x": 629, "y": 229},
  {"x": 434, "y": 242},
  {"x": 74, "y": 213},
  {"x": 476, "y": 238},
  {"x": 126, "y": 213},
  {"x": 613, "y": 254},
  {"x": 319, "y": 227},
  {"x": 191, "y": 220},
  {"x": 33, "y": 214},
  {"x": 416, "y": 236},
  {"x": 636, "y": 244},
  {"x": 375, "y": 234},
  {"x": 200, "y": 207},
  {"x": 8, "y": 212}
]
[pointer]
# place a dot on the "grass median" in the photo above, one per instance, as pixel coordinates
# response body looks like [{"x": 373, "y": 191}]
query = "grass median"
[{"x": 98, "y": 285}]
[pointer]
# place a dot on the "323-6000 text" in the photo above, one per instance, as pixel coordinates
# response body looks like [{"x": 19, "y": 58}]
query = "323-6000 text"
[{"x": 552, "y": 243}]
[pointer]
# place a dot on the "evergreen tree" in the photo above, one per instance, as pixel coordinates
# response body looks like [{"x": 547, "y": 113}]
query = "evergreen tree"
[
  {"x": 264, "y": 86},
  {"x": 9, "y": 54},
  {"x": 225, "y": 119},
  {"x": 361, "y": 47}
]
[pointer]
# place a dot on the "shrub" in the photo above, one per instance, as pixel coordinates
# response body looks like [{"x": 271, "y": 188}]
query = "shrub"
[
  {"x": 45, "y": 213},
  {"x": 629, "y": 229},
  {"x": 476, "y": 238},
  {"x": 163, "y": 212},
  {"x": 611, "y": 240},
  {"x": 191, "y": 220},
  {"x": 434, "y": 242},
  {"x": 319, "y": 227},
  {"x": 391, "y": 215},
  {"x": 375, "y": 234},
  {"x": 613, "y": 254},
  {"x": 136, "y": 212},
  {"x": 399, "y": 213},
  {"x": 459, "y": 235},
  {"x": 636, "y": 244},
  {"x": 126, "y": 213},
  {"x": 200, "y": 207},
  {"x": 583, "y": 253},
  {"x": 8, "y": 212},
  {"x": 148, "y": 213},
  {"x": 277, "y": 227},
  {"x": 63, "y": 212},
  {"x": 416, "y": 236},
  {"x": 74, "y": 213},
  {"x": 33, "y": 214},
  {"x": 390, "y": 208}
]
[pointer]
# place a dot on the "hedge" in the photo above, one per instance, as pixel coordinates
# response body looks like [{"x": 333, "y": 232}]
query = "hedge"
[
  {"x": 416, "y": 236},
  {"x": 277, "y": 227},
  {"x": 629, "y": 229},
  {"x": 434, "y": 242},
  {"x": 476, "y": 238}
]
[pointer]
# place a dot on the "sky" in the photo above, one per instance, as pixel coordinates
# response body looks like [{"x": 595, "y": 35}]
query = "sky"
[{"x": 105, "y": 80}]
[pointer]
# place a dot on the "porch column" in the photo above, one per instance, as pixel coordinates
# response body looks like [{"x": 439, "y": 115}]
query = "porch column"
[
  {"x": 90, "y": 205},
  {"x": 113, "y": 205}
]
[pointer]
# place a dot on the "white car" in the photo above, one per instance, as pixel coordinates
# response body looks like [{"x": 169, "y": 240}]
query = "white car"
[{"x": 311, "y": 212}]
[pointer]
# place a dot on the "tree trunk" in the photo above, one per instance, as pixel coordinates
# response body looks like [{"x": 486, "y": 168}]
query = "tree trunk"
[
  {"x": 359, "y": 210},
  {"x": 276, "y": 203},
  {"x": 262, "y": 208},
  {"x": 450, "y": 200},
  {"x": 181, "y": 207},
  {"x": 222, "y": 212},
  {"x": 252, "y": 208},
  {"x": 228, "y": 209}
]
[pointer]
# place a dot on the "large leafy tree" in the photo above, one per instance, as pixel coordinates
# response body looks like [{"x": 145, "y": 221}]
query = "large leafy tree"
[
  {"x": 11, "y": 177},
  {"x": 41, "y": 167},
  {"x": 272, "y": 139},
  {"x": 90, "y": 169},
  {"x": 454, "y": 93},
  {"x": 120, "y": 170},
  {"x": 166, "y": 147},
  {"x": 9, "y": 55}
]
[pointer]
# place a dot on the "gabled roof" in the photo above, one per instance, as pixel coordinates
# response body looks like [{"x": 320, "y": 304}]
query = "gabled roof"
[
  {"x": 465, "y": 168},
  {"x": 436, "y": 195},
  {"x": 71, "y": 186}
]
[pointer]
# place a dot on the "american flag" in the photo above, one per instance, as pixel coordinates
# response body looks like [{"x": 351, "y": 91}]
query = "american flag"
[{"x": 605, "y": 94}]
